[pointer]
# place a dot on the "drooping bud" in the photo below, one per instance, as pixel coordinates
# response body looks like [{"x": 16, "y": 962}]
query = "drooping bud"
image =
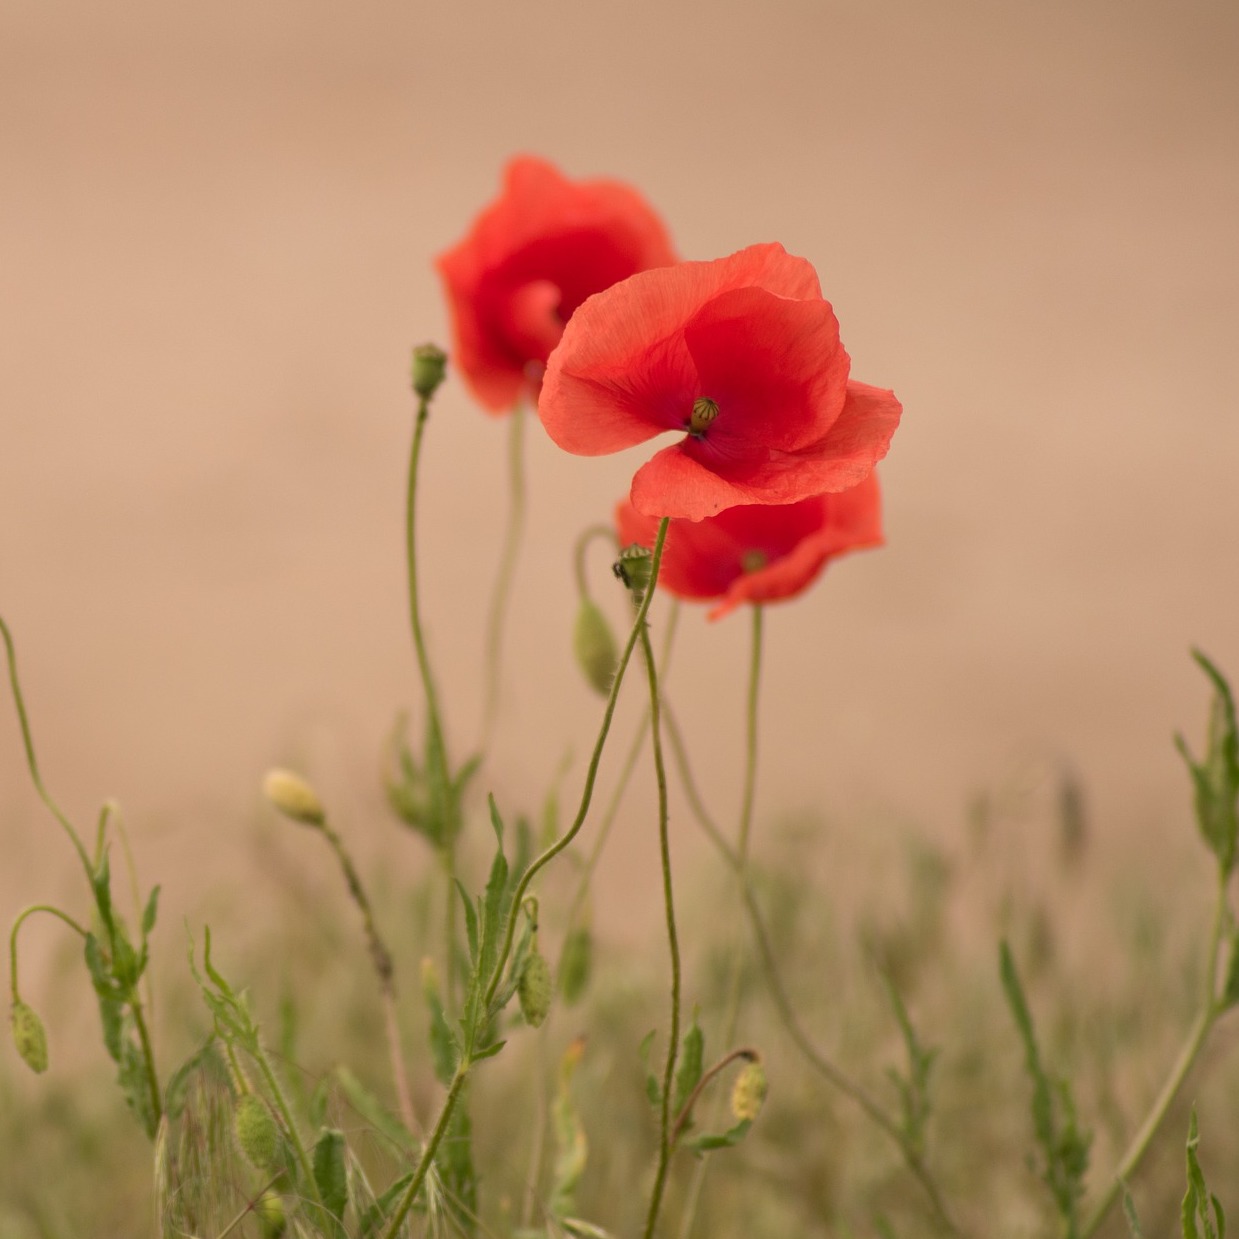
[
  {"x": 29, "y": 1036},
  {"x": 574, "y": 964},
  {"x": 749, "y": 1092},
  {"x": 704, "y": 412},
  {"x": 634, "y": 568},
  {"x": 271, "y": 1215},
  {"x": 429, "y": 369},
  {"x": 535, "y": 989},
  {"x": 594, "y": 646},
  {"x": 293, "y": 797},
  {"x": 257, "y": 1135}
]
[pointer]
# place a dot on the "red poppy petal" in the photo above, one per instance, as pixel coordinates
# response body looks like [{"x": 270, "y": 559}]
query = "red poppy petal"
[
  {"x": 625, "y": 346},
  {"x": 775, "y": 368},
  {"x": 673, "y": 483}
]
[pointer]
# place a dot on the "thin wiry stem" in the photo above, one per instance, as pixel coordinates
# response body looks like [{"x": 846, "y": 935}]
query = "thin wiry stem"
[
  {"x": 823, "y": 1065},
  {"x": 507, "y": 569},
  {"x": 1210, "y": 1009},
  {"x": 673, "y": 942}
]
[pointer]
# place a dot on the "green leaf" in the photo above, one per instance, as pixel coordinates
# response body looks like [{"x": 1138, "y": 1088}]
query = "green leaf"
[
  {"x": 1129, "y": 1212},
  {"x": 471, "y": 923},
  {"x": 494, "y": 900},
  {"x": 691, "y": 1064},
  {"x": 150, "y": 912},
  {"x": 330, "y": 1173},
  {"x": 101, "y": 884},
  {"x": 488, "y": 1051},
  {"x": 1216, "y": 779},
  {"x": 444, "y": 1047},
  {"x": 135, "y": 1085},
  {"x": 722, "y": 1140},
  {"x": 455, "y": 1162},
  {"x": 575, "y": 964},
  {"x": 1199, "y": 1204}
]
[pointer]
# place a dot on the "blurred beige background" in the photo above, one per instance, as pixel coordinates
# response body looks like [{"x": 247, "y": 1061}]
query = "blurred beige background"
[{"x": 217, "y": 230}]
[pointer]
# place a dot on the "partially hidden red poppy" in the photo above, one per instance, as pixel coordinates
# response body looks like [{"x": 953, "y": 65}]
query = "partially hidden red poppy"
[
  {"x": 529, "y": 260},
  {"x": 761, "y": 552},
  {"x": 741, "y": 357}
]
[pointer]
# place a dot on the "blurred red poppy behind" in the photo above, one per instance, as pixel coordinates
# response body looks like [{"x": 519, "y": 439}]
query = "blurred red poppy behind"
[
  {"x": 761, "y": 552},
  {"x": 530, "y": 258},
  {"x": 741, "y": 357}
]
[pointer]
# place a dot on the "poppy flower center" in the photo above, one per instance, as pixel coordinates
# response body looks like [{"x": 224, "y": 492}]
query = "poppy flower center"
[
  {"x": 753, "y": 561},
  {"x": 704, "y": 412}
]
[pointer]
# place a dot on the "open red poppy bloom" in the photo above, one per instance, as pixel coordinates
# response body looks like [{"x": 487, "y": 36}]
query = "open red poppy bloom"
[
  {"x": 532, "y": 256},
  {"x": 758, "y": 553},
  {"x": 742, "y": 357}
]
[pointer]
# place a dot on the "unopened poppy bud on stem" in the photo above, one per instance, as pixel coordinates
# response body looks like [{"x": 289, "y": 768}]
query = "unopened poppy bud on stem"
[
  {"x": 293, "y": 797},
  {"x": 749, "y": 1092},
  {"x": 634, "y": 568},
  {"x": 594, "y": 646},
  {"x": 429, "y": 369},
  {"x": 29, "y": 1036}
]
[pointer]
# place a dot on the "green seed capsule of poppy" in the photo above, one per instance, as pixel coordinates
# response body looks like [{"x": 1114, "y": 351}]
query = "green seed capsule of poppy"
[
  {"x": 748, "y": 1093},
  {"x": 535, "y": 989},
  {"x": 594, "y": 646},
  {"x": 29, "y": 1036},
  {"x": 256, "y": 1132},
  {"x": 634, "y": 567},
  {"x": 293, "y": 797}
]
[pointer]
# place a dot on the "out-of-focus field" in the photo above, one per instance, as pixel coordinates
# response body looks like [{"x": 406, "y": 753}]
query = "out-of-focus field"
[{"x": 216, "y": 232}]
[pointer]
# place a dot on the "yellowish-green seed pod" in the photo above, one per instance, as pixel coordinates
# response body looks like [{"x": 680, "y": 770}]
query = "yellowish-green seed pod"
[
  {"x": 271, "y": 1215},
  {"x": 29, "y": 1036},
  {"x": 535, "y": 989},
  {"x": 293, "y": 797},
  {"x": 594, "y": 646},
  {"x": 257, "y": 1134},
  {"x": 748, "y": 1093}
]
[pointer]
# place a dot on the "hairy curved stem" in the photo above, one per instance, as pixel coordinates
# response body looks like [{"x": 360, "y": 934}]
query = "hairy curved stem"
[
  {"x": 380, "y": 958},
  {"x": 428, "y": 1154},
  {"x": 507, "y": 568},
  {"x": 1210, "y": 1009},
  {"x": 17, "y": 924},
  {"x": 673, "y": 942},
  {"x": 31, "y": 760}
]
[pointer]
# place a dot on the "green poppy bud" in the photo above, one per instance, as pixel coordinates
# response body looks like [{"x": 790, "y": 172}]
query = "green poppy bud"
[
  {"x": 29, "y": 1036},
  {"x": 293, "y": 797},
  {"x": 704, "y": 412},
  {"x": 271, "y": 1215},
  {"x": 429, "y": 369},
  {"x": 634, "y": 568},
  {"x": 535, "y": 989},
  {"x": 749, "y": 1092},
  {"x": 594, "y": 646},
  {"x": 257, "y": 1135}
]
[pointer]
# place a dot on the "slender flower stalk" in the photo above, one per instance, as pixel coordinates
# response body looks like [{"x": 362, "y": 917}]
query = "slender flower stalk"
[
  {"x": 380, "y": 958},
  {"x": 731, "y": 1017},
  {"x": 1211, "y": 1008},
  {"x": 17, "y": 924},
  {"x": 440, "y": 777},
  {"x": 501, "y": 597},
  {"x": 32, "y": 762},
  {"x": 518, "y": 898},
  {"x": 673, "y": 943}
]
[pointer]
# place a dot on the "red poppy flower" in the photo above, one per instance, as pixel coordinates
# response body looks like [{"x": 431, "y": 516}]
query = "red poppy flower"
[
  {"x": 532, "y": 256},
  {"x": 741, "y": 353},
  {"x": 758, "y": 553}
]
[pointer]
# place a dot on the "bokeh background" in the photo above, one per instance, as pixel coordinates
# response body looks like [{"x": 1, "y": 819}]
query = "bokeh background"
[{"x": 218, "y": 225}]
